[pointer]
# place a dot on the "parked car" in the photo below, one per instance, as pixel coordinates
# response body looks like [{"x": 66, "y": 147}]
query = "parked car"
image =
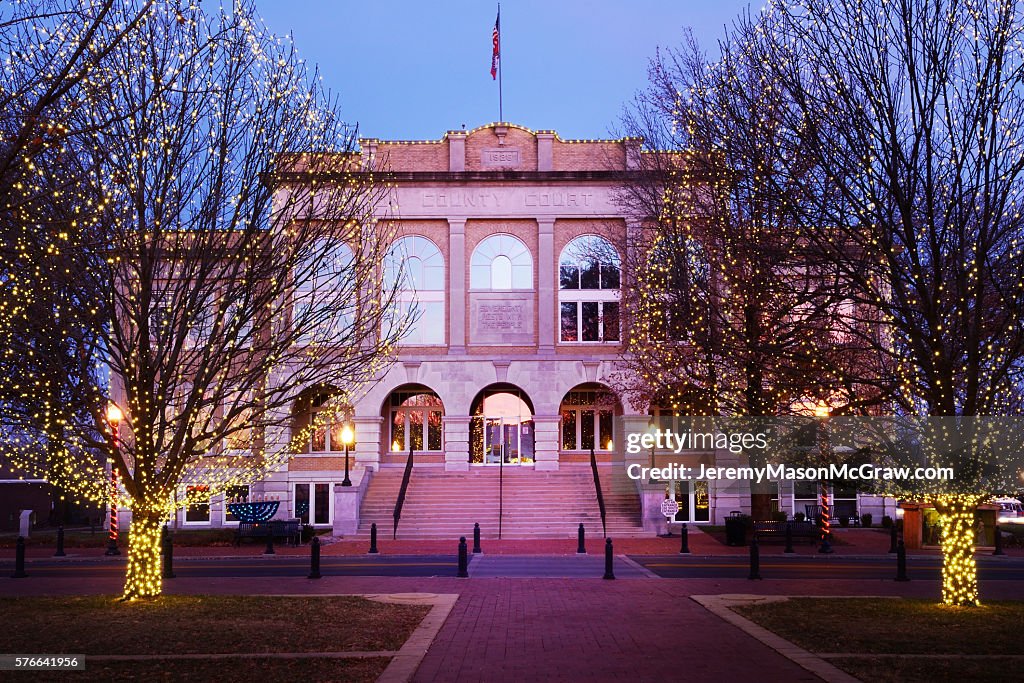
[{"x": 1011, "y": 510}]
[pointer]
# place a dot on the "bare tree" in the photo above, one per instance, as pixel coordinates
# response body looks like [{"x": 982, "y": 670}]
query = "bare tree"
[
  {"x": 241, "y": 261},
  {"x": 733, "y": 312},
  {"x": 910, "y": 114}
]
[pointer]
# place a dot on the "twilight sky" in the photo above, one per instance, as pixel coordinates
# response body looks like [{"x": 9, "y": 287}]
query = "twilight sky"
[{"x": 412, "y": 70}]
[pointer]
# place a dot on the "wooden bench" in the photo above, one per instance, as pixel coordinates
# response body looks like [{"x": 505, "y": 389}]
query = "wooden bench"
[
  {"x": 772, "y": 529},
  {"x": 290, "y": 530}
]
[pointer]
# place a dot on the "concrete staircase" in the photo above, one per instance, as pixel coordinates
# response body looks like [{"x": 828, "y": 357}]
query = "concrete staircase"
[{"x": 442, "y": 504}]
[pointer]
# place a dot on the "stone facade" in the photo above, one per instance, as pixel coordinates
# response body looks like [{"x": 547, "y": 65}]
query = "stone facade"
[{"x": 541, "y": 193}]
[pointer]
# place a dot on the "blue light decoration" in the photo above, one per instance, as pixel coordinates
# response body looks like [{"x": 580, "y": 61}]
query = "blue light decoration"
[{"x": 255, "y": 511}]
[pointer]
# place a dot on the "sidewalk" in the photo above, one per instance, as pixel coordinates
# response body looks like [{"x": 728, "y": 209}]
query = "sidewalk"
[
  {"x": 850, "y": 542},
  {"x": 563, "y": 629}
]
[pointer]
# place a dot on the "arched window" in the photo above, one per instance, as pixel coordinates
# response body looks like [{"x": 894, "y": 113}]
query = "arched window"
[
  {"x": 320, "y": 280},
  {"x": 587, "y": 414},
  {"x": 417, "y": 266},
  {"x": 588, "y": 280},
  {"x": 327, "y": 420},
  {"x": 501, "y": 262},
  {"x": 415, "y": 420}
]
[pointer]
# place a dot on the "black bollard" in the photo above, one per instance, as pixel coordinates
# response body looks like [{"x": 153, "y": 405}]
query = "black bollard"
[
  {"x": 476, "y": 538},
  {"x": 19, "y": 560},
  {"x": 789, "y": 538},
  {"x": 373, "y": 539},
  {"x": 463, "y": 559},
  {"x": 270, "y": 541},
  {"x": 60, "y": 542},
  {"x": 755, "y": 560},
  {"x": 314, "y": 558},
  {"x": 901, "y": 562},
  {"x": 581, "y": 548},
  {"x": 892, "y": 538},
  {"x": 684, "y": 545},
  {"x": 167, "y": 544},
  {"x": 609, "y": 558},
  {"x": 999, "y": 542}
]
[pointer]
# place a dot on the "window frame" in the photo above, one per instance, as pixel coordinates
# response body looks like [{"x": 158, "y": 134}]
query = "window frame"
[
  {"x": 579, "y": 296},
  {"x": 408, "y": 296}
]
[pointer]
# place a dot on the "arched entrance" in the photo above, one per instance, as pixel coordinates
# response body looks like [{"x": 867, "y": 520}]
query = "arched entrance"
[
  {"x": 413, "y": 415},
  {"x": 501, "y": 427},
  {"x": 587, "y": 416}
]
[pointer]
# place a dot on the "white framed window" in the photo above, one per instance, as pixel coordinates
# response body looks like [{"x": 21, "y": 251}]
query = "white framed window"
[
  {"x": 416, "y": 421},
  {"x": 313, "y": 502},
  {"x": 587, "y": 420},
  {"x": 693, "y": 499},
  {"x": 318, "y": 284},
  {"x": 416, "y": 266},
  {"x": 197, "y": 504},
  {"x": 501, "y": 262},
  {"x": 589, "y": 281},
  {"x": 233, "y": 494}
]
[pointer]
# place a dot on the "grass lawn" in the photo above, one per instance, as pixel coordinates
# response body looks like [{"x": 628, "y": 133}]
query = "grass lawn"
[
  {"x": 902, "y": 627},
  {"x": 178, "y": 624}
]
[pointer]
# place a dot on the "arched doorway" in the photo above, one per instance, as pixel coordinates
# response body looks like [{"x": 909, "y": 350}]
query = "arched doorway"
[
  {"x": 587, "y": 418},
  {"x": 501, "y": 427},
  {"x": 413, "y": 415}
]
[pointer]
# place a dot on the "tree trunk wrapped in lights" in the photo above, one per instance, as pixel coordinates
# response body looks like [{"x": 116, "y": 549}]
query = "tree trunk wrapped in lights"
[
  {"x": 959, "y": 569},
  {"x": 144, "y": 576},
  {"x": 217, "y": 248}
]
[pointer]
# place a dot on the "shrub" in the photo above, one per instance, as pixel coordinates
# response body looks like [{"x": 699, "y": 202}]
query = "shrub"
[
  {"x": 799, "y": 517},
  {"x": 844, "y": 521},
  {"x": 865, "y": 519},
  {"x": 886, "y": 522},
  {"x": 779, "y": 516}
]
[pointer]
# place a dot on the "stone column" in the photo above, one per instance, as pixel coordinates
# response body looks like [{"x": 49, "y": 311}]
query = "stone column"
[
  {"x": 545, "y": 447},
  {"x": 457, "y": 286},
  {"x": 456, "y": 443},
  {"x": 346, "y": 510},
  {"x": 547, "y": 293},
  {"x": 369, "y": 435}
]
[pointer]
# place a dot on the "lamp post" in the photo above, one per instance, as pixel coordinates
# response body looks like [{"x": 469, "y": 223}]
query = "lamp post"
[
  {"x": 114, "y": 417},
  {"x": 822, "y": 411},
  {"x": 347, "y": 437}
]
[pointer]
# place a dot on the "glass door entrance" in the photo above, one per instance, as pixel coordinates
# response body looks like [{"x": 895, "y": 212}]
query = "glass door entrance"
[
  {"x": 501, "y": 432},
  {"x": 511, "y": 442}
]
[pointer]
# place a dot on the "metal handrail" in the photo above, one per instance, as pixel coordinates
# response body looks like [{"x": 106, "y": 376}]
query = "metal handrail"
[
  {"x": 600, "y": 495},
  {"x": 401, "y": 493}
]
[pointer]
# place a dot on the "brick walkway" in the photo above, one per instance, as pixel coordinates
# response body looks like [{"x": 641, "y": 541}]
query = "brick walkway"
[{"x": 566, "y": 629}]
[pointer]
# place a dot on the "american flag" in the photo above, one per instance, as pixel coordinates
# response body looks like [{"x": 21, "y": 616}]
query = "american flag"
[{"x": 496, "y": 40}]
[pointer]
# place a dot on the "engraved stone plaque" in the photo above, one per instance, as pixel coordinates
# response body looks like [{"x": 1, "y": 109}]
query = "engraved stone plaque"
[
  {"x": 501, "y": 318},
  {"x": 500, "y": 157}
]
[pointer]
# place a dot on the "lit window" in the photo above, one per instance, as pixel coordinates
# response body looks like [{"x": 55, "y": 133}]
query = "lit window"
[
  {"x": 501, "y": 262},
  {"x": 414, "y": 270},
  {"x": 586, "y": 415},
  {"x": 589, "y": 277},
  {"x": 416, "y": 421},
  {"x": 327, "y": 420}
]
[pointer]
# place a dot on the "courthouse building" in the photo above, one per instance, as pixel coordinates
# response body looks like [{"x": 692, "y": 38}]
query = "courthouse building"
[{"x": 515, "y": 242}]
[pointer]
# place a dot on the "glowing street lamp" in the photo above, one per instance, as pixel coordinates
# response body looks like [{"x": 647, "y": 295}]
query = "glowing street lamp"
[
  {"x": 114, "y": 417},
  {"x": 347, "y": 437}
]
